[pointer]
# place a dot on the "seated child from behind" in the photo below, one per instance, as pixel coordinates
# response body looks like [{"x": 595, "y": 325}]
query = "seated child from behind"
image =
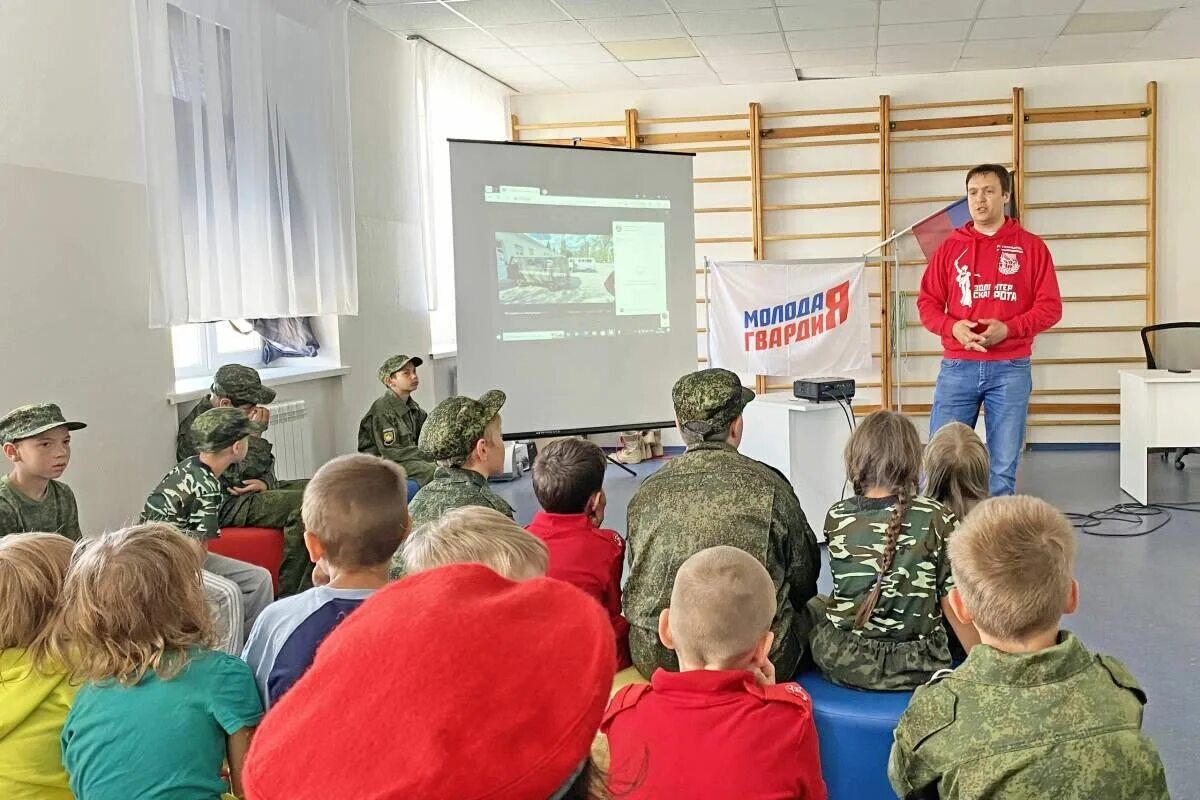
[
  {"x": 159, "y": 712},
  {"x": 1030, "y": 713},
  {"x": 568, "y": 479},
  {"x": 475, "y": 535},
  {"x": 956, "y": 469},
  {"x": 355, "y": 516},
  {"x": 720, "y": 727},
  {"x": 35, "y": 694},
  {"x": 882, "y": 627}
]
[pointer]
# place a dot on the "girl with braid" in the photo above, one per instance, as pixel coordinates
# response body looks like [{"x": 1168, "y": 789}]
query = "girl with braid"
[{"x": 882, "y": 627}]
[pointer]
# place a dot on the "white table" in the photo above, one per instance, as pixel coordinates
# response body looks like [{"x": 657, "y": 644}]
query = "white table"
[
  {"x": 1158, "y": 409},
  {"x": 805, "y": 441}
]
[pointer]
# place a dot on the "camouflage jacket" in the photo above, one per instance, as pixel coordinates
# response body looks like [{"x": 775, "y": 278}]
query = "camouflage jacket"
[
  {"x": 1059, "y": 723},
  {"x": 259, "y": 463},
  {"x": 390, "y": 430},
  {"x": 56, "y": 512},
  {"x": 451, "y": 488},
  {"x": 910, "y": 603},
  {"x": 713, "y": 495},
  {"x": 189, "y": 497}
]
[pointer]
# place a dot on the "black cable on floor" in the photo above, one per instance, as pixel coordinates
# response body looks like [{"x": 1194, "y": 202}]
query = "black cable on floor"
[{"x": 1129, "y": 516}]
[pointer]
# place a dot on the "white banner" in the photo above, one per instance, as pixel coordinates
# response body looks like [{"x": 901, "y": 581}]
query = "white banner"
[{"x": 789, "y": 318}]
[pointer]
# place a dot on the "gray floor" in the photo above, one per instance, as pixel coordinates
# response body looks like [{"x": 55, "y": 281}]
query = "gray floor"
[{"x": 1140, "y": 597}]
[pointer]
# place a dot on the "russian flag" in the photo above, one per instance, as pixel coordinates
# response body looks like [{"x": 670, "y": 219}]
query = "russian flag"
[{"x": 934, "y": 229}]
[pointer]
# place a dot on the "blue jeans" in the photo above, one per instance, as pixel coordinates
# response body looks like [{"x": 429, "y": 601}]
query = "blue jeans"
[
  {"x": 1003, "y": 389},
  {"x": 413, "y": 488}
]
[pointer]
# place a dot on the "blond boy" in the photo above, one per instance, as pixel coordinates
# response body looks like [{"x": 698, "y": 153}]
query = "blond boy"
[
  {"x": 473, "y": 534},
  {"x": 1031, "y": 712},
  {"x": 720, "y": 727}
]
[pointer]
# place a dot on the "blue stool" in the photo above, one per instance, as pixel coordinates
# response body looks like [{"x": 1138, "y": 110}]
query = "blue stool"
[{"x": 854, "y": 729}]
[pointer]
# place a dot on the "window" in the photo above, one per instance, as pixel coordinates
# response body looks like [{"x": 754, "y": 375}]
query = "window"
[{"x": 202, "y": 348}]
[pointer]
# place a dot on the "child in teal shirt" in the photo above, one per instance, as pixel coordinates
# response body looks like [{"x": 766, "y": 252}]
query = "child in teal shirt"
[{"x": 159, "y": 711}]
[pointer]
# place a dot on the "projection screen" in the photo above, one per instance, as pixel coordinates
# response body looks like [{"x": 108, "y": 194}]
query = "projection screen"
[{"x": 575, "y": 283}]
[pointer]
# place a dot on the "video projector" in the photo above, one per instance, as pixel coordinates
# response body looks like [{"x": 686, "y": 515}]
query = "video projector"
[{"x": 819, "y": 390}]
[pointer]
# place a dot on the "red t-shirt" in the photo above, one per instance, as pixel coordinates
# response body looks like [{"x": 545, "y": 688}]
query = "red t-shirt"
[
  {"x": 715, "y": 735},
  {"x": 1008, "y": 276},
  {"x": 589, "y": 558}
]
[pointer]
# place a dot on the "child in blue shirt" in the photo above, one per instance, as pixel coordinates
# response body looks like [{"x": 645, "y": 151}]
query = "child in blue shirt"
[
  {"x": 159, "y": 712},
  {"x": 355, "y": 517}
]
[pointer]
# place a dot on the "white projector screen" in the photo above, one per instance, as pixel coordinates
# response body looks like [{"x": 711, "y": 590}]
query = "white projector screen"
[{"x": 575, "y": 284}]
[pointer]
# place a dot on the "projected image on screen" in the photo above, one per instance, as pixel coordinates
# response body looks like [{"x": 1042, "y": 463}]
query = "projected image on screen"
[{"x": 536, "y": 268}]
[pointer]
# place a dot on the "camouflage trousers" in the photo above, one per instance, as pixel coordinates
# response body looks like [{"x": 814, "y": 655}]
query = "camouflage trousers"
[
  {"x": 848, "y": 659},
  {"x": 276, "y": 508},
  {"x": 649, "y": 653}
]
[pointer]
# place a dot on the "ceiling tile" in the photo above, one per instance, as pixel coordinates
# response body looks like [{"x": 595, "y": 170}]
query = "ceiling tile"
[
  {"x": 758, "y": 76},
  {"x": 651, "y": 49},
  {"x": 1001, "y": 48},
  {"x": 1105, "y": 6},
  {"x": 717, "y": 5},
  {"x": 1098, "y": 44},
  {"x": 590, "y": 76},
  {"x": 416, "y": 18},
  {"x": 601, "y": 9},
  {"x": 832, "y": 39},
  {"x": 845, "y": 14},
  {"x": 456, "y": 39},
  {"x": 1184, "y": 19},
  {"x": 493, "y": 58},
  {"x": 1018, "y": 28},
  {"x": 1162, "y": 44},
  {"x": 567, "y": 54},
  {"x": 1010, "y": 61},
  {"x": 848, "y": 71},
  {"x": 1026, "y": 8},
  {"x": 905, "y": 12},
  {"x": 542, "y": 33},
  {"x": 680, "y": 81},
  {"x": 1114, "y": 23},
  {"x": 834, "y": 58},
  {"x": 669, "y": 66},
  {"x": 660, "y": 26},
  {"x": 924, "y": 33},
  {"x": 915, "y": 67},
  {"x": 718, "y": 23},
  {"x": 751, "y": 62},
  {"x": 917, "y": 52},
  {"x": 740, "y": 43},
  {"x": 509, "y": 12}
]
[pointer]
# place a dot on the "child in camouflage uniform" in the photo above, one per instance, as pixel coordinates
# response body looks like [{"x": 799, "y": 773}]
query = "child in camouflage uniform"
[
  {"x": 392, "y": 426},
  {"x": 882, "y": 627},
  {"x": 37, "y": 440},
  {"x": 1030, "y": 713}
]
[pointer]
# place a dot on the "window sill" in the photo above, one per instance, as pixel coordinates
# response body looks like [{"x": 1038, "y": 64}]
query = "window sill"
[{"x": 187, "y": 389}]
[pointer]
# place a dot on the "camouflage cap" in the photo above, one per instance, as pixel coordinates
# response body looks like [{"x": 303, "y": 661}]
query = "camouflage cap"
[
  {"x": 457, "y": 424},
  {"x": 396, "y": 363},
  {"x": 26, "y": 421},
  {"x": 709, "y": 400},
  {"x": 219, "y": 428},
  {"x": 242, "y": 385}
]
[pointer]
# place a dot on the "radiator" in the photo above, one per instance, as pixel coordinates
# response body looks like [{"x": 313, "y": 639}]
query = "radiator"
[{"x": 290, "y": 432}]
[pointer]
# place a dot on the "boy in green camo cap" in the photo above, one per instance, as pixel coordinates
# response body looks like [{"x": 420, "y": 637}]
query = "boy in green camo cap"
[
  {"x": 463, "y": 436},
  {"x": 192, "y": 496},
  {"x": 254, "y": 497},
  {"x": 37, "y": 440},
  {"x": 393, "y": 424}
]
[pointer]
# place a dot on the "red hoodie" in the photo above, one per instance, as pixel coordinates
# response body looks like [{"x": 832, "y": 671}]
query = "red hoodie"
[{"x": 1008, "y": 276}]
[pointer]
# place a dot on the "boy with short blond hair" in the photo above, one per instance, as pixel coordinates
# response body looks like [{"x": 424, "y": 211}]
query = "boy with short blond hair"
[
  {"x": 37, "y": 440},
  {"x": 568, "y": 480},
  {"x": 474, "y": 534},
  {"x": 1030, "y": 713},
  {"x": 720, "y": 727},
  {"x": 355, "y": 516}
]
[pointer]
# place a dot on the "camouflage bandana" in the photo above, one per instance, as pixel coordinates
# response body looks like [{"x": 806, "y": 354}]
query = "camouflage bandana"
[
  {"x": 242, "y": 385},
  {"x": 218, "y": 428},
  {"x": 707, "y": 401},
  {"x": 397, "y": 363},
  {"x": 27, "y": 421},
  {"x": 457, "y": 424}
]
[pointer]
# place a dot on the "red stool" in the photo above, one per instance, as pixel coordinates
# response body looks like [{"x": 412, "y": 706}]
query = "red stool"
[{"x": 262, "y": 547}]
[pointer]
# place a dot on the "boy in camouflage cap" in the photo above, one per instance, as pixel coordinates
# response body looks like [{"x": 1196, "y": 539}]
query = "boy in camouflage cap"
[
  {"x": 255, "y": 498},
  {"x": 713, "y": 495},
  {"x": 37, "y": 440},
  {"x": 191, "y": 497},
  {"x": 463, "y": 436},
  {"x": 392, "y": 426},
  {"x": 1030, "y": 713}
]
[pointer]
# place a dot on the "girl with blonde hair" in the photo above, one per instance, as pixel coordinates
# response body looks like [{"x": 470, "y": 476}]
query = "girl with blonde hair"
[
  {"x": 159, "y": 710},
  {"x": 882, "y": 626},
  {"x": 956, "y": 468}
]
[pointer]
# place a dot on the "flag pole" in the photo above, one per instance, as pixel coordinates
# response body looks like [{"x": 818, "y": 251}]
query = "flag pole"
[{"x": 900, "y": 233}]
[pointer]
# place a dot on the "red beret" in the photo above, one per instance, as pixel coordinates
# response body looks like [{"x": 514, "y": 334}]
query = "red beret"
[{"x": 453, "y": 683}]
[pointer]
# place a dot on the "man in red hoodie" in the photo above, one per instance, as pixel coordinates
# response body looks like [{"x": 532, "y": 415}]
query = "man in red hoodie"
[{"x": 988, "y": 291}]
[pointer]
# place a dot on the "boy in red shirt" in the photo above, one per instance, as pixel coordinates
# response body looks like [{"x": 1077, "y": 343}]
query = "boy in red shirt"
[
  {"x": 720, "y": 728},
  {"x": 568, "y": 480}
]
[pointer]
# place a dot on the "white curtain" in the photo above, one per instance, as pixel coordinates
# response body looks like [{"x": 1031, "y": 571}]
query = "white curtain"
[
  {"x": 452, "y": 101},
  {"x": 247, "y": 125}
]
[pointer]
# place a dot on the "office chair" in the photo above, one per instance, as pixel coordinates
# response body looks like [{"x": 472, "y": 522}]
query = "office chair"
[{"x": 1176, "y": 346}]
